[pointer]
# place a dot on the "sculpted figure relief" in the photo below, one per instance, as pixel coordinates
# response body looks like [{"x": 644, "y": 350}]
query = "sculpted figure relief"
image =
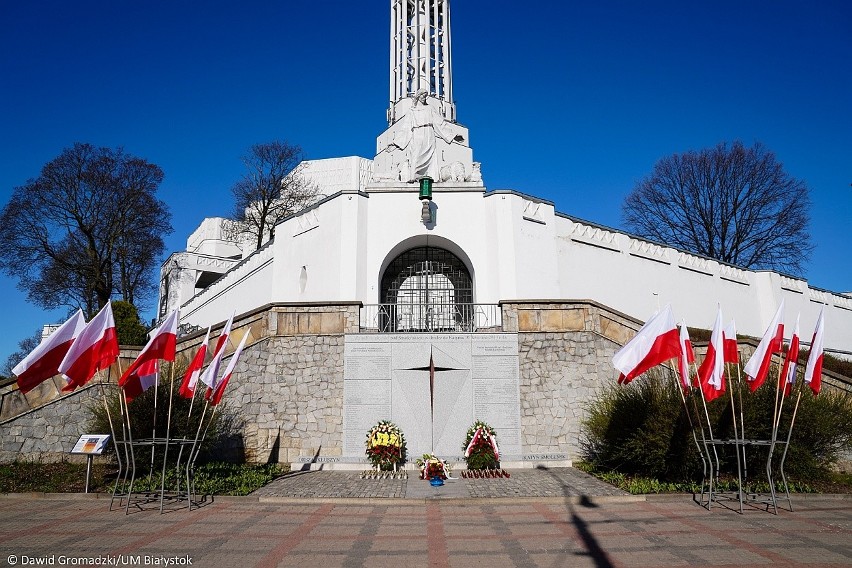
[{"x": 417, "y": 137}]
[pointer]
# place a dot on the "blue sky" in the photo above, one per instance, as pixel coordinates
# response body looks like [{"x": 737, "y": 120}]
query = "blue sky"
[{"x": 570, "y": 101}]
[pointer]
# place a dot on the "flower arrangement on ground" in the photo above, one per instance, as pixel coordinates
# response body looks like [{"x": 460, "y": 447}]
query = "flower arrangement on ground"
[
  {"x": 432, "y": 466},
  {"x": 480, "y": 447},
  {"x": 385, "y": 446}
]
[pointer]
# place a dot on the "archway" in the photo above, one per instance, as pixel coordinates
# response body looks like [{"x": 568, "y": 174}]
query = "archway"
[{"x": 426, "y": 288}]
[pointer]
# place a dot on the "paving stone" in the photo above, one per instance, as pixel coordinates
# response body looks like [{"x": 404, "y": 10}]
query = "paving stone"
[{"x": 550, "y": 482}]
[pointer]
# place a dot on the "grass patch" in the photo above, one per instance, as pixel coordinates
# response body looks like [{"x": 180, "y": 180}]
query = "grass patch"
[
  {"x": 639, "y": 485},
  {"x": 213, "y": 478}
]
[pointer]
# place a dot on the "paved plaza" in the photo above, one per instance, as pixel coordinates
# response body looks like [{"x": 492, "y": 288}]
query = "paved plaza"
[
  {"x": 542, "y": 482},
  {"x": 471, "y": 527}
]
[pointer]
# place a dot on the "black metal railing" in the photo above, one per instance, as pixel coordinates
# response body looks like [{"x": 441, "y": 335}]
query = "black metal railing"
[{"x": 430, "y": 317}]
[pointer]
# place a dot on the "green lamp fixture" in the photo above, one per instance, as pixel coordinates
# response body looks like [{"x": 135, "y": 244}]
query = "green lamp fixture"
[
  {"x": 425, "y": 198},
  {"x": 426, "y": 188}
]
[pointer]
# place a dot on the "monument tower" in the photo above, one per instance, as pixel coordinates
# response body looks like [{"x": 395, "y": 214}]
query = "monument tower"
[
  {"x": 423, "y": 138},
  {"x": 420, "y": 55}
]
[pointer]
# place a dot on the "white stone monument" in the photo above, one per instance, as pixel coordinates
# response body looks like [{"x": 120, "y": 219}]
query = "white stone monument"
[
  {"x": 423, "y": 138},
  {"x": 433, "y": 386}
]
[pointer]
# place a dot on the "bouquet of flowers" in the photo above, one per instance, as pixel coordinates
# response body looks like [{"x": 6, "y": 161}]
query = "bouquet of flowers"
[
  {"x": 385, "y": 445},
  {"x": 480, "y": 447},
  {"x": 432, "y": 466}
]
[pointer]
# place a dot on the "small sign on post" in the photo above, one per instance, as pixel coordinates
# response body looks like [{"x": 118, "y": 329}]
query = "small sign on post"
[{"x": 91, "y": 445}]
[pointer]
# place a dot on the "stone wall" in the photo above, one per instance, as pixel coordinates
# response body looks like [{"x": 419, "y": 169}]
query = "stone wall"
[
  {"x": 291, "y": 397},
  {"x": 49, "y": 431},
  {"x": 287, "y": 388},
  {"x": 288, "y": 385},
  {"x": 565, "y": 351}
]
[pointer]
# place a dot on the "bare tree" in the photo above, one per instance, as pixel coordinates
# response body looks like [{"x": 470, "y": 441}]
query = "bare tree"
[
  {"x": 25, "y": 346},
  {"x": 271, "y": 189},
  {"x": 90, "y": 227},
  {"x": 734, "y": 204}
]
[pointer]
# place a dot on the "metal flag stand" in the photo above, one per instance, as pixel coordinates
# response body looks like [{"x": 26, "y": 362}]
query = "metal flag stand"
[
  {"x": 740, "y": 443},
  {"x": 123, "y": 490}
]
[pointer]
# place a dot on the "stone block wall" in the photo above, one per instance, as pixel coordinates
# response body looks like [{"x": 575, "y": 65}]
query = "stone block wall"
[
  {"x": 49, "y": 431},
  {"x": 565, "y": 351},
  {"x": 287, "y": 388},
  {"x": 290, "y": 393}
]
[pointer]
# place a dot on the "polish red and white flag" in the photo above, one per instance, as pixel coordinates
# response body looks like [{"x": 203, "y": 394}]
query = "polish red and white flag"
[
  {"x": 219, "y": 390},
  {"x": 686, "y": 357},
  {"x": 711, "y": 373},
  {"x": 208, "y": 377},
  {"x": 193, "y": 372},
  {"x": 732, "y": 353},
  {"x": 813, "y": 370},
  {"x": 143, "y": 373},
  {"x": 144, "y": 377},
  {"x": 161, "y": 345},
  {"x": 657, "y": 342},
  {"x": 43, "y": 362},
  {"x": 95, "y": 348},
  {"x": 791, "y": 362},
  {"x": 773, "y": 339}
]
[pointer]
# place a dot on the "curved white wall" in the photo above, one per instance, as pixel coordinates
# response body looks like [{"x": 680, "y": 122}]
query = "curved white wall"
[{"x": 517, "y": 248}]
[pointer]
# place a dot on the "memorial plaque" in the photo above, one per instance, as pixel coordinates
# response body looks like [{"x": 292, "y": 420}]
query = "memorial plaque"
[
  {"x": 509, "y": 441},
  {"x": 454, "y": 355},
  {"x": 495, "y": 391},
  {"x": 412, "y": 410},
  {"x": 361, "y": 367},
  {"x": 497, "y": 415},
  {"x": 453, "y": 413},
  {"x": 496, "y": 367},
  {"x": 357, "y": 421},
  {"x": 433, "y": 386},
  {"x": 410, "y": 355},
  {"x": 483, "y": 345},
  {"x": 361, "y": 392}
]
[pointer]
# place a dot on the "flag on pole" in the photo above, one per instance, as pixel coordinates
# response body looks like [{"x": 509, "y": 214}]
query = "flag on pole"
[
  {"x": 711, "y": 374},
  {"x": 758, "y": 365},
  {"x": 43, "y": 362},
  {"x": 686, "y": 357},
  {"x": 190, "y": 379},
  {"x": 95, "y": 348},
  {"x": 223, "y": 337},
  {"x": 208, "y": 377},
  {"x": 813, "y": 370},
  {"x": 657, "y": 342},
  {"x": 788, "y": 375},
  {"x": 732, "y": 353},
  {"x": 144, "y": 377},
  {"x": 161, "y": 345},
  {"x": 219, "y": 390}
]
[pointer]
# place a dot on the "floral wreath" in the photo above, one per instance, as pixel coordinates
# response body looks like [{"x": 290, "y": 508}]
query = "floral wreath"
[
  {"x": 385, "y": 445},
  {"x": 432, "y": 466},
  {"x": 480, "y": 447}
]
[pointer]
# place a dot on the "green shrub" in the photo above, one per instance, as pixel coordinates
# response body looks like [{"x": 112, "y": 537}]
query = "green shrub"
[
  {"x": 642, "y": 429},
  {"x": 129, "y": 327},
  {"x": 223, "y": 440}
]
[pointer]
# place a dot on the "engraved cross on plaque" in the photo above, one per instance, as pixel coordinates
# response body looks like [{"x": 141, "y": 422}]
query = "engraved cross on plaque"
[{"x": 432, "y": 370}]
